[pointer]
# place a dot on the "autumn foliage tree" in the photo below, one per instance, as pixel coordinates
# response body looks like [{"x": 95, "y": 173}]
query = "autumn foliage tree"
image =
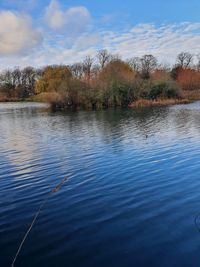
[
  {"x": 53, "y": 78},
  {"x": 116, "y": 83}
]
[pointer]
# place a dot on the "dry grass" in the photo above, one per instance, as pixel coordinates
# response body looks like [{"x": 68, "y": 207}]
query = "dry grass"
[
  {"x": 192, "y": 95},
  {"x": 4, "y": 98},
  {"x": 159, "y": 102},
  {"x": 46, "y": 97}
]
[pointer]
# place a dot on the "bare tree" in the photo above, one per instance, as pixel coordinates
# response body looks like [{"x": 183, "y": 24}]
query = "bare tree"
[
  {"x": 198, "y": 62},
  {"x": 184, "y": 60},
  {"x": 20, "y": 82},
  {"x": 29, "y": 75},
  {"x": 77, "y": 70},
  {"x": 115, "y": 57},
  {"x": 11, "y": 77},
  {"x": 103, "y": 57},
  {"x": 95, "y": 70},
  {"x": 148, "y": 64},
  {"x": 6, "y": 82},
  {"x": 16, "y": 75},
  {"x": 135, "y": 63},
  {"x": 87, "y": 66}
]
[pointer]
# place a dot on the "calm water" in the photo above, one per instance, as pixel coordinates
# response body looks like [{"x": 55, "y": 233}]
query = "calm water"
[{"x": 132, "y": 193}]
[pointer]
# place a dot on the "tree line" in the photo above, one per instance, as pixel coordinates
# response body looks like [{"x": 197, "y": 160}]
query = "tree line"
[{"x": 103, "y": 81}]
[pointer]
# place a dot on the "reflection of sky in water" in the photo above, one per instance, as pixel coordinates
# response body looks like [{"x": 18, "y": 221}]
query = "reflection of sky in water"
[{"x": 18, "y": 144}]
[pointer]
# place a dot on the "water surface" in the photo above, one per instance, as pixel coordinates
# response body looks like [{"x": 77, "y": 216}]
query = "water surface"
[{"x": 132, "y": 193}]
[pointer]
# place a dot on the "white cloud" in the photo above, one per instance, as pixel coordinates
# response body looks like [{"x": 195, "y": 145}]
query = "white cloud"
[
  {"x": 72, "y": 20},
  {"x": 164, "y": 41},
  {"x": 17, "y": 33},
  {"x": 85, "y": 41}
]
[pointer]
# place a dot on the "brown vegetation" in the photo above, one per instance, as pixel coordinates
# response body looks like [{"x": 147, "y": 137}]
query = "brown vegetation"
[
  {"x": 158, "y": 102},
  {"x": 105, "y": 81},
  {"x": 188, "y": 79}
]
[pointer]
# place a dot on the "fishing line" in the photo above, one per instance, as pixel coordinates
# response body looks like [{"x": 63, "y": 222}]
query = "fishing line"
[
  {"x": 196, "y": 221},
  {"x": 54, "y": 190}
]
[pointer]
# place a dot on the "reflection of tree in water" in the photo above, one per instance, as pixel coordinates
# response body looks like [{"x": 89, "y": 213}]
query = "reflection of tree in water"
[
  {"x": 132, "y": 123},
  {"x": 86, "y": 129},
  {"x": 114, "y": 125}
]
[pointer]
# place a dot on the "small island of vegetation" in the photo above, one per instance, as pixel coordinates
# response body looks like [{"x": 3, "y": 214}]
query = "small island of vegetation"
[{"x": 105, "y": 81}]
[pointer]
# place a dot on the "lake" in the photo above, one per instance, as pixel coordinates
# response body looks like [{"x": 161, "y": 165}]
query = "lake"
[{"x": 132, "y": 193}]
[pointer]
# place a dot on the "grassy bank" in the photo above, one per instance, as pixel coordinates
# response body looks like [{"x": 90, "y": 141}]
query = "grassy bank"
[
  {"x": 15, "y": 99},
  {"x": 192, "y": 95},
  {"x": 158, "y": 102}
]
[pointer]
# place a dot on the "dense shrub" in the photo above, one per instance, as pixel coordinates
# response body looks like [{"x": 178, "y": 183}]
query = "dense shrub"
[{"x": 163, "y": 90}]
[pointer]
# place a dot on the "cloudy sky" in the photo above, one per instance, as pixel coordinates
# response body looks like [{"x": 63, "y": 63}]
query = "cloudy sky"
[{"x": 37, "y": 33}]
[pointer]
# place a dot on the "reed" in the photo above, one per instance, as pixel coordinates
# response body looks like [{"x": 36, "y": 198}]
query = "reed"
[
  {"x": 54, "y": 190},
  {"x": 158, "y": 102}
]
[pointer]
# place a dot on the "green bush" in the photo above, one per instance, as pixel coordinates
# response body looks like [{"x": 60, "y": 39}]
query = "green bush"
[{"x": 163, "y": 90}]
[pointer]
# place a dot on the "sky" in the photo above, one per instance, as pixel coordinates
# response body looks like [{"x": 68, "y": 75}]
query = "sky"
[{"x": 42, "y": 32}]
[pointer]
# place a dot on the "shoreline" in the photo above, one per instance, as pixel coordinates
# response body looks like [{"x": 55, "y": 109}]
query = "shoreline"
[
  {"x": 54, "y": 101},
  {"x": 141, "y": 103}
]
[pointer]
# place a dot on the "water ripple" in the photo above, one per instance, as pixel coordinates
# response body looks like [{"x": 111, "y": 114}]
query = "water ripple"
[{"x": 132, "y": 193}]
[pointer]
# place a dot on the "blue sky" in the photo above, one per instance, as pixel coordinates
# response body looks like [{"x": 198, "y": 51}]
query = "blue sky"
[
  {"x": 137, "y": 11},
  {"x": 35, "y": 32}
]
